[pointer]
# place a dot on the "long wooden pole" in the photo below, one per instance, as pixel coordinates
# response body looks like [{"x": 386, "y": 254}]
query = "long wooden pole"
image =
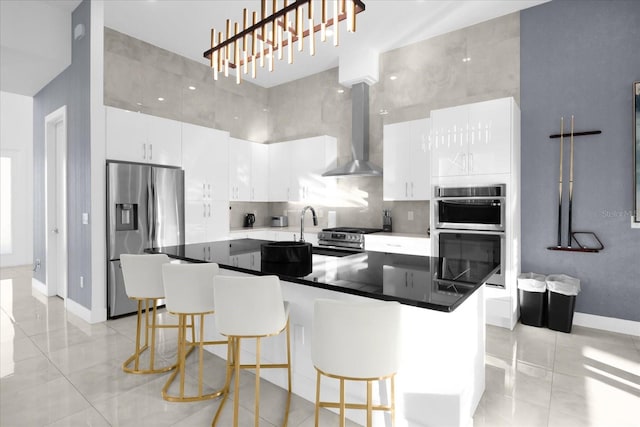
[
  {"x": 560, "y": 183},
  {"x": 570, "y": 184}
]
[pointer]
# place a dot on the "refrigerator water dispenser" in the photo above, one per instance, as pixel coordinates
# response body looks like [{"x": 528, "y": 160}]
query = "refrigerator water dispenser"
[{"x": 126, "y": 216}]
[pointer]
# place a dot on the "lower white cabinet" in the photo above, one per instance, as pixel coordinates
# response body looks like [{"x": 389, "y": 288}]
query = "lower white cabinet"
[
  {"x": 404, "y": 282},
  {"x": 249, "y": 260},
  {"x": 398, "y": 244},
  {"x": 206, "y": 220}
]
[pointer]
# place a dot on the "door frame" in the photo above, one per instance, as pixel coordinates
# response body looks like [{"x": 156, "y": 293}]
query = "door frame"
[{"x": 56, "y": 249}]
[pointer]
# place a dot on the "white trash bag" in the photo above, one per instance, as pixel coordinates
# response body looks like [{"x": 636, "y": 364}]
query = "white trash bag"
[
  {"x": 532, "y": 282},
  {"x": 563, "y": 284}
]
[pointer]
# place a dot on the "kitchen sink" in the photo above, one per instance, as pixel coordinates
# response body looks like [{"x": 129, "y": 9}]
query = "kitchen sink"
[
  {"x": 289, "y": 257},
  {"x": 286, "y": 252}
]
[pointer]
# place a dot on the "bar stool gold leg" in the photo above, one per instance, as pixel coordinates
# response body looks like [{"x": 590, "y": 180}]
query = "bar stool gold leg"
[
  {"x": 317, "y": 412},
  {"x": 342, "y": 403},
  {"x": 231, "y": 351},
  {"x": 393, "y": 401},
  {"x": 369, "y": 404},
  {"x": 257, "y": 391},
  {"x": 236, "y": 392}
]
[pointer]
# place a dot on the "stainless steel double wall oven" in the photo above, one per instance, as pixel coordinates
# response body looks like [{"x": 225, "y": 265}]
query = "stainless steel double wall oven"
[{"x": 470, "y": 224}]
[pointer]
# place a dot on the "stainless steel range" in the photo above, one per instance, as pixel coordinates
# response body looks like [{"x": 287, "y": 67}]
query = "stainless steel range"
[{"x": 345, "y": 237}]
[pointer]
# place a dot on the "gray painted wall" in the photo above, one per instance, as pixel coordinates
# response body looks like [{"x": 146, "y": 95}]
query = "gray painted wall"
[
  {"x": 581, "y": 58},
  {"x": 70, "y": 88}
]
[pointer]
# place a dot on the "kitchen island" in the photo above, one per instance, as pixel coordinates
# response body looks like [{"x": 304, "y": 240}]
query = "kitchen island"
[{"x": 441, "y": 379}]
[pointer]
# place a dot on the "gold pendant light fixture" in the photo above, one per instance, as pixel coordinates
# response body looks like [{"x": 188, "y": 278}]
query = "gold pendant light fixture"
[{"x": 287, "y": 24}]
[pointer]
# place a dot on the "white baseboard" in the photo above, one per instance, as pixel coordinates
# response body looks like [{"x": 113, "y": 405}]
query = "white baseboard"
[
  {"x": 39, "y": 286},
  {"x": 610, "y": 324},
  {"x": 79, "y": 310}
]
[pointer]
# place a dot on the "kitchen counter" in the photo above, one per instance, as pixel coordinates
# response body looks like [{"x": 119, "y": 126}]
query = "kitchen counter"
[
  {"x": 425, "y": 282},
  {"x": 441, "y": 376}
]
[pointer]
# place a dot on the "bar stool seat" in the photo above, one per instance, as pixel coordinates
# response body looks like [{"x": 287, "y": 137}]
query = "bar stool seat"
[
  {"x": 250, "y": 307},
  {"x": 143, "y": 282},
  {"x": 356, "y": 341}
]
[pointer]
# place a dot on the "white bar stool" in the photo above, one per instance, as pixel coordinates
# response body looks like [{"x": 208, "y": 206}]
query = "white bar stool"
[
  {"x": 250, "y": 307},
  {"x": 356, "y": 341},
  {"x": 189, "y": 292},
  {"x": 143, "y": 282}
]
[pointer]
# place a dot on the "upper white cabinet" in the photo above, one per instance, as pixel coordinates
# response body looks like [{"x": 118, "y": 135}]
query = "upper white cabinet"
[
  {"x": 259, "y": 190},
  {"x": 407, "y": 160},
  {"x": 296, "y": 168},
  {"x": 137, "y": 137},
  {"x": 205, "y": 152},
  {"x": 248, "y": 171},
  {"x": 279, "y": 172},
  {"x": 473, "y": 139}
]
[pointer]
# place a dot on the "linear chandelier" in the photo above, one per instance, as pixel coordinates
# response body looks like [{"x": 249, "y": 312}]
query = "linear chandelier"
[{"x": 280, "y": 30}]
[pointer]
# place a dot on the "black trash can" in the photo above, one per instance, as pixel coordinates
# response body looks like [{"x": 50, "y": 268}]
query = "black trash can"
[
  {"x": 561, "y": 301},
  {"x": 532, "y": 293}
]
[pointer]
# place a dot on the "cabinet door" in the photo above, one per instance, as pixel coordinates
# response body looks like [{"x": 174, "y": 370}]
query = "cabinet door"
[
  {"x": 279, "y": 172},
  {"x": 490, "y": 137},
  {"x": 420, "y": 160},
  {"x": 309, "y": 162},
  {"x": 404, "y": 282},
  {"x": 195, "y": 221},
  {"x": 217, "y": 220},
  {"x": 205, "y": 154},
  {"x": 259, "y": 172},
  {"x": 239, "y": 169},
  {"x": 450, "y": 141},
  {"x": 164, "y": 139},
  {"x": 396, "y": 177},
  {"x": 125, "y": 135}
]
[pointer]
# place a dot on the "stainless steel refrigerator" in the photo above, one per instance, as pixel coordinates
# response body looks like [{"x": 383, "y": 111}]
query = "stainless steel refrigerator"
[{"x": 145, "y": 208}]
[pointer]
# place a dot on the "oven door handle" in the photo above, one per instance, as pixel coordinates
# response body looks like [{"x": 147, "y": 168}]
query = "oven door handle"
[{"x": 463, "y": 231}]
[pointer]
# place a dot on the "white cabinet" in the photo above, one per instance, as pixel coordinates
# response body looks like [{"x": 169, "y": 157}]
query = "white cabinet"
[
  {"x": 279, "y": 172},
  {"x": 296, "y": 168},
  {"x": 405, "y": 282},
  {"x": 407, "y": 160},
  {"x": 473, "y": 139},
  {"x": 137, "y": 137},
  {"x": 249, "y": 261},
  {"x": 248, "y": 171},
  {"x": 259, "y": 191},
  {"x": 205, "y": 153},
  {"x": 239, "y": 169},
  {"x": 397, "y": 244}
]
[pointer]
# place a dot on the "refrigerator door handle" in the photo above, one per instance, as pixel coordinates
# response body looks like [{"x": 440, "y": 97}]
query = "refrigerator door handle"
[{"x": 150, "y": 212}]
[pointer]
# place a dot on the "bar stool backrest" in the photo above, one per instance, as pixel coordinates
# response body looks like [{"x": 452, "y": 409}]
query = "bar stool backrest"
[
  {"x": 356, "y": 339},
  {"x": 143, "y": 274},
  {"x": 188, "y": 288},
  {"x": 248, "y": 306}
]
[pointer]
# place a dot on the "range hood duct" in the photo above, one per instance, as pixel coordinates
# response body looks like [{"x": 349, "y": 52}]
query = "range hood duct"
[{"x": 360, "y": 165}]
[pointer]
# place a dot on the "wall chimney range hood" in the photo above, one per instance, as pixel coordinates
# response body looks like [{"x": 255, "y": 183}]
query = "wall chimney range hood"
[{"x": 360, "y": 165}]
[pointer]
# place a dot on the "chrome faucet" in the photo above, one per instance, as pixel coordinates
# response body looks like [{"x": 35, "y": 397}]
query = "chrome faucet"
[{"x": 315, "y": 220}]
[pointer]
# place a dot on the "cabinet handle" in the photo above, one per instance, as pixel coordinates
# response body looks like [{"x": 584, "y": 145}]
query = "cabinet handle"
[
  {"x": 470, "y": 162},
  {"x": 150, "y": 151},
  {"x": 406, "y": 189},
  {"x": 209, "y": 215},
  {"x": 209, "y": 187},
  {"x": 412, "y": 189},
  {"x": 204, "y": 193},
  {"x": 204, "y": 210},
  {"x": 406, "y": 281},
  {"x": 144, "y": 151}
]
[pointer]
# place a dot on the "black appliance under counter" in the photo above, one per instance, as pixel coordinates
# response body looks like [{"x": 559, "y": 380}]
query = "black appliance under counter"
[{"x": 426, "y": 282}]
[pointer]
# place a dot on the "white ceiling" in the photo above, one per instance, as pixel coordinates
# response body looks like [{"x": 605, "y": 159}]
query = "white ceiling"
[{"x": 36, "y": 35}]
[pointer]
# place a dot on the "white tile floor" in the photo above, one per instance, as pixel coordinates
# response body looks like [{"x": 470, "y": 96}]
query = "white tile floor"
[{"x": 57, "y": 370}]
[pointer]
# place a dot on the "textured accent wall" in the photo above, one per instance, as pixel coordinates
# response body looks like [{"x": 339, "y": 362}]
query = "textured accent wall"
[
  {"x": 70, "y": 88},
  {"x": 581, "y": 58}
]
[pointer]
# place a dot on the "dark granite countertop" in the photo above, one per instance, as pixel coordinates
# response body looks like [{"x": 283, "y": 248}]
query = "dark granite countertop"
[{"x": 426, "y": 282}]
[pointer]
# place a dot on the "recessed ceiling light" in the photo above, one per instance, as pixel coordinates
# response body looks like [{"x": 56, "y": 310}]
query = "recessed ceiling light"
[
  {"x": 192, "y": 88},
  {"x": 340, "y": 90},
  {"x": 160, "y": 99},
  {"x": 139, "y": 103},
  {"x": 236, "y": 118},
  {"x": 393, "y": 77},
  {"x": 383, "y": 112},
  {"x": 467, "y": 59}
]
